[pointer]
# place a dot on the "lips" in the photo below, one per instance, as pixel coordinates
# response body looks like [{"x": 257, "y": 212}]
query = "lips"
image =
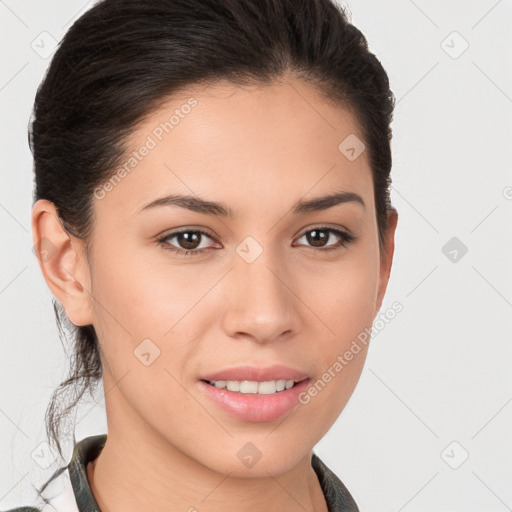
[
  {"x": 254, "y": 407},
  {"x": 253, "y": 373}
]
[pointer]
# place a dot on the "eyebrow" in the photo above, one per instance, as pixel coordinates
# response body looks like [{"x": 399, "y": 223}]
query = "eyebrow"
[{"x": 199, "y": 205}]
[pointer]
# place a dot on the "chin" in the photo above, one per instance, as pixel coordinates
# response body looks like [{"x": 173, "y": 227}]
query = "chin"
[{"x": 253, "y": 459}]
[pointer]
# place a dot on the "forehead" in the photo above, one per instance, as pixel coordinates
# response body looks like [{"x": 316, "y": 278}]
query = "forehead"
[
  {"x": 284, "y": 110},
  {"x": 261, "y": 143}
]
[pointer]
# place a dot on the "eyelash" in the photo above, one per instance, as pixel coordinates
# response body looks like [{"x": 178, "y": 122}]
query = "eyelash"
[{"x": 345, "y": 239}]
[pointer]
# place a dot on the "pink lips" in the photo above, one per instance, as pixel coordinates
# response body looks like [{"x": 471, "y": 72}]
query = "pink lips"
[
  {"x": 240, "y": 373},
  {"x": 250, "y": 406}
]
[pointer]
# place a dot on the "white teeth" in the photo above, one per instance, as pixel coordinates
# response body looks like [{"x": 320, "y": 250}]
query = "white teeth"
[
  {"x": 248, "y": 386},
  {"x": 268, "y": 387},
  {"x": 233, "y": 385}
]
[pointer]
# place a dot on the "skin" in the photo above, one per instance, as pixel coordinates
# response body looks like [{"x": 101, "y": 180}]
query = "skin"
[{"x": 258, "y": 150}]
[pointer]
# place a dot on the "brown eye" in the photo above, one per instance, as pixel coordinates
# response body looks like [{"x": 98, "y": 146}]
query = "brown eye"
[
  {"x": 319, "y": 238},
  {"x": 187, "y": 241}
]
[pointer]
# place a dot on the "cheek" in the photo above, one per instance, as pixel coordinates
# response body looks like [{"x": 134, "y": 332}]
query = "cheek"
[
  {"x": 142, "y": 298},
  {"x": 343, "y": 294},
  {"x": 142, "y": 318},
  {"x": 150, "y": 318}
]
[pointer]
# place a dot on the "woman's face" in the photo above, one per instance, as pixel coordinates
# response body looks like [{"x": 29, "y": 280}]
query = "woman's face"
[{"x": 272, "y": 291}]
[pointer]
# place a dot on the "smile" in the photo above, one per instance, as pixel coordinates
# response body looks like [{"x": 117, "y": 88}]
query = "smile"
[{"x": 268, "y": 387}]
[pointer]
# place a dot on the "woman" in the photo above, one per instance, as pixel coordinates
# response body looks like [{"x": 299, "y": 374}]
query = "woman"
[{"x": 212, "y": 215}]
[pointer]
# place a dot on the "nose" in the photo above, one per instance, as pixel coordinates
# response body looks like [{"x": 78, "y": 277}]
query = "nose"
[{"x": 261, "y": 305}]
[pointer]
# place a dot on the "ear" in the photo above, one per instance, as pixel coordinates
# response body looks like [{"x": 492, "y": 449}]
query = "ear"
[
  {"x": 63, "y": 263},
  {"x": 386, "y": 257}
]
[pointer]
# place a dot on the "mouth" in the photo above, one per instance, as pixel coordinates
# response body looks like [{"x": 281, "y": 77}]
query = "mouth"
[
  {"x": 268, "y": 387},
  {"x": 255, "y": 401}
]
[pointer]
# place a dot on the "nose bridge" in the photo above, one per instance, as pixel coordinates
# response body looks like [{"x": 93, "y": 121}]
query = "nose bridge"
[{"x": 261, "y": 305}]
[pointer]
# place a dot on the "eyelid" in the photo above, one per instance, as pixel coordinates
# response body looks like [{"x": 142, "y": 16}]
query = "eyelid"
[
  {"x": 326, "y": 226},
  {"x": 186, "y": 229}
]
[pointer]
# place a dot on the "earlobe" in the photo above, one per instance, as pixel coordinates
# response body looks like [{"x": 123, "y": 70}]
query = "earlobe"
[
  {"x": 387, "y": 257},
  {"x": 62, "y": 262}
]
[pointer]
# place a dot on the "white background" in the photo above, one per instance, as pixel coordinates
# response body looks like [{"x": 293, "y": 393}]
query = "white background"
[{"x": 440, "y": 371}]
